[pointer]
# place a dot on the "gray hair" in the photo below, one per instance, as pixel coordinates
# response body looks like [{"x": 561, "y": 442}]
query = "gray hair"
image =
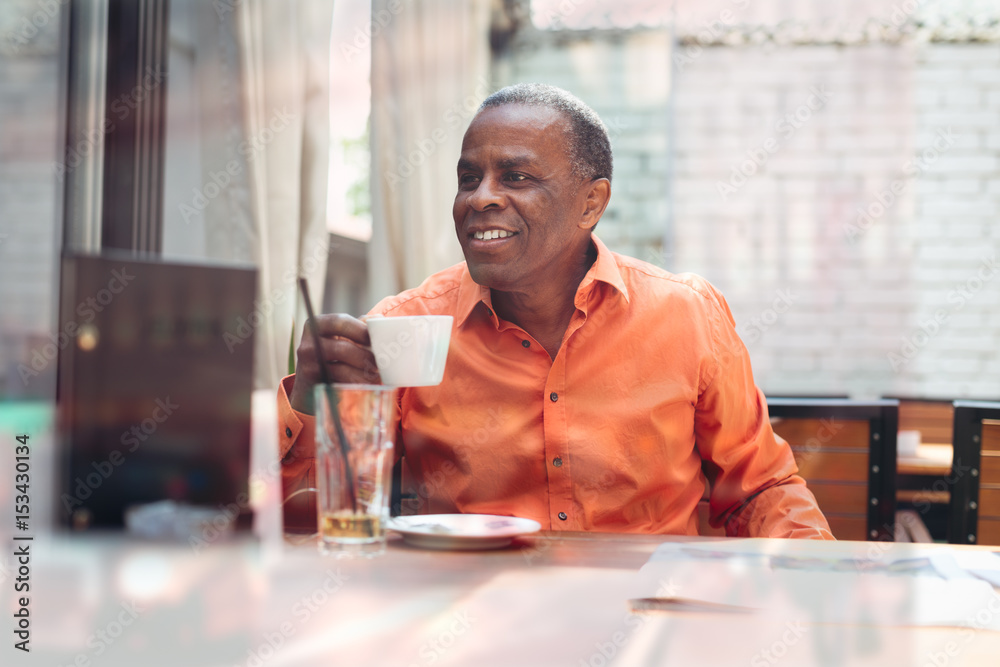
[{"x": 589, "y": 145}]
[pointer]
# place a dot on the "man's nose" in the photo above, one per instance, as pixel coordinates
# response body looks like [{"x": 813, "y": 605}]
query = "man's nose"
[{"x": 486, "y": 195}]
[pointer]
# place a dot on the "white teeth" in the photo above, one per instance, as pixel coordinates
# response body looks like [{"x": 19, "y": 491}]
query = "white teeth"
[{"x": 491, "y": 234}]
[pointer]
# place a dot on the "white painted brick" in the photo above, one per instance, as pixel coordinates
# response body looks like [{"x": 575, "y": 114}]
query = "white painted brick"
[
  {"x": 987, "y": 75},
  {"x": 928, "y": 98},
  {"x": 786, "y": 222},
  {"x": 965, "y": 186},
  {"x": 992, "y": 140},
  {"x": 968, "y": 319},
  {"x": 935, "y": 252},
  {"x": 991, "y": 99},
  {"x": 971, "y": 342},
  {"x": 931, "y": 76},
  {"x": 928, "y": 185},
  {"x": 964, "y": 99},
  {"x": 952, "y": 163},
  {"x": 943, "y": 205},
  {"x": 971, "y": 54},
  {"x": 798, "y": 362},
  {"x": 970, "y": 139},
  {"x": 946, "y": 118}
]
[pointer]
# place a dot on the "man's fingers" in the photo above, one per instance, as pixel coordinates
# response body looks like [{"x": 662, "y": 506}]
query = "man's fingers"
[
  {"x": 343, "y": 326},
  {"x": 352, "y": 375},
  {"x": 348, "y": 354},
  {"x": 343, "y": 340}
]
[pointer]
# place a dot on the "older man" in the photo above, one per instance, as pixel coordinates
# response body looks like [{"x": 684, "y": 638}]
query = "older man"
[{"x": 584, "y": 389}]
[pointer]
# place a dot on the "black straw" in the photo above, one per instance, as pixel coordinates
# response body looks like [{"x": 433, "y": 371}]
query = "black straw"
[{"x": 331, "y": 395}]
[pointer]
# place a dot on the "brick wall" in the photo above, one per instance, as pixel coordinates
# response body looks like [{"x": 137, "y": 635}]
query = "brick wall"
[
  {"x": 856, "y": 247},
  {"x": 873, "y": 215},
  {"x": 625, "y": 77},
  {"x": 828, "y": 301}
]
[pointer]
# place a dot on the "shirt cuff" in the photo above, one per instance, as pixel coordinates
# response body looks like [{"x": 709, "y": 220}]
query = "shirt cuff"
[{"x": 297, "y": 429}]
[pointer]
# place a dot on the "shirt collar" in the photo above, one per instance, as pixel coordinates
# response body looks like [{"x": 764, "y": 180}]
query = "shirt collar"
[{"x": 604, "y": 269}]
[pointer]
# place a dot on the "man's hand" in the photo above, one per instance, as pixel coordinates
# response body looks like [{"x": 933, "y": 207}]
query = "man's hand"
[{"x": 346, "y": 349}]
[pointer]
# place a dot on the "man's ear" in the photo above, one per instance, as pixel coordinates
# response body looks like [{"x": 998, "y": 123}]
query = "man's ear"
[{"x": 598, "y": 196}]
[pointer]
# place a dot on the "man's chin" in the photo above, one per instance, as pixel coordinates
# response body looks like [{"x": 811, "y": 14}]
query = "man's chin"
[{"x": 490, "y": 275}]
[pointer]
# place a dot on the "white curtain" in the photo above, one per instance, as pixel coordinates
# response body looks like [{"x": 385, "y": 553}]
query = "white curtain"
[
  {"x": 430, "y": 70},
  {"x": 264, "y": 87}
]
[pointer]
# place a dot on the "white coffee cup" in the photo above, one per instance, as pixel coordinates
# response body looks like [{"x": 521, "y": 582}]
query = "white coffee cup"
[{"x": 410, "y": 350}]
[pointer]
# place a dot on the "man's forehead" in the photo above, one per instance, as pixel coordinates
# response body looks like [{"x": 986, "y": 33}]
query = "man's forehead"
[{"x": 518, "y": 131}]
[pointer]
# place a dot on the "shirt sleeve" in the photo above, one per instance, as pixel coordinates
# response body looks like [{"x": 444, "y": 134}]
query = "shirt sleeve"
[
  {"x": 755, "y": 488},
  {"x": 297, "y": 452}
]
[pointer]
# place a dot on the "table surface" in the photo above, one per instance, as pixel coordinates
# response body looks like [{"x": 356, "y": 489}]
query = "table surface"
[
  {"x": 561, "y": 599},
  {"x": 548, "y": 599}
]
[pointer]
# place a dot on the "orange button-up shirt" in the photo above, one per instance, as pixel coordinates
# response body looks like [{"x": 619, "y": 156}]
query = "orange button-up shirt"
[{"x": 650, "y": 395}]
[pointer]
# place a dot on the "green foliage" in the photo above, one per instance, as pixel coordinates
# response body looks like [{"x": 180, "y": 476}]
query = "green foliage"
[{"x": 357, "y": 152}]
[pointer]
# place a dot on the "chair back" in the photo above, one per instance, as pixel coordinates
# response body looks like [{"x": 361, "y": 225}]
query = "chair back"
[
  {"x": 846, "y": 452},
  {"x": 974, "y": 507}
]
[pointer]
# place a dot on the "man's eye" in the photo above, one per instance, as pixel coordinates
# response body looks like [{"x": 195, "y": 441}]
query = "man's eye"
[
  {"x": 516, "y": 177},
  {"x": 467, "y": 179}
]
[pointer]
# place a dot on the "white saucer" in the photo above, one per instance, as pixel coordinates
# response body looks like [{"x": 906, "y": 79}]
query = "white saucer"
[{"x": 461, "y": 531}]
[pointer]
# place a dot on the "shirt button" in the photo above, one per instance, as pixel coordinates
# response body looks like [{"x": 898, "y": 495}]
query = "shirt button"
[
  {"x": 525, "y": 343},
  {"x": 553, "y": 397},
  {"x": 562, "y": 515},
  {"x": 557, "y": 462},
  {"x": 288, "y": 432}
]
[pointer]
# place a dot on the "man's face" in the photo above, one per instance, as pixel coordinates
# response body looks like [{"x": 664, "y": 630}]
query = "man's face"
[{"x": 519, "y": 205}]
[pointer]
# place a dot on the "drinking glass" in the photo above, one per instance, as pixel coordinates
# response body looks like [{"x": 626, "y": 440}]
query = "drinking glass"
[{"x": 354, "y": 466}]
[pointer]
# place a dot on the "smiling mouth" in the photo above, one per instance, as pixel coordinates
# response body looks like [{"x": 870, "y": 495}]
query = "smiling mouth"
[{"x": 491, "y": 234}]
